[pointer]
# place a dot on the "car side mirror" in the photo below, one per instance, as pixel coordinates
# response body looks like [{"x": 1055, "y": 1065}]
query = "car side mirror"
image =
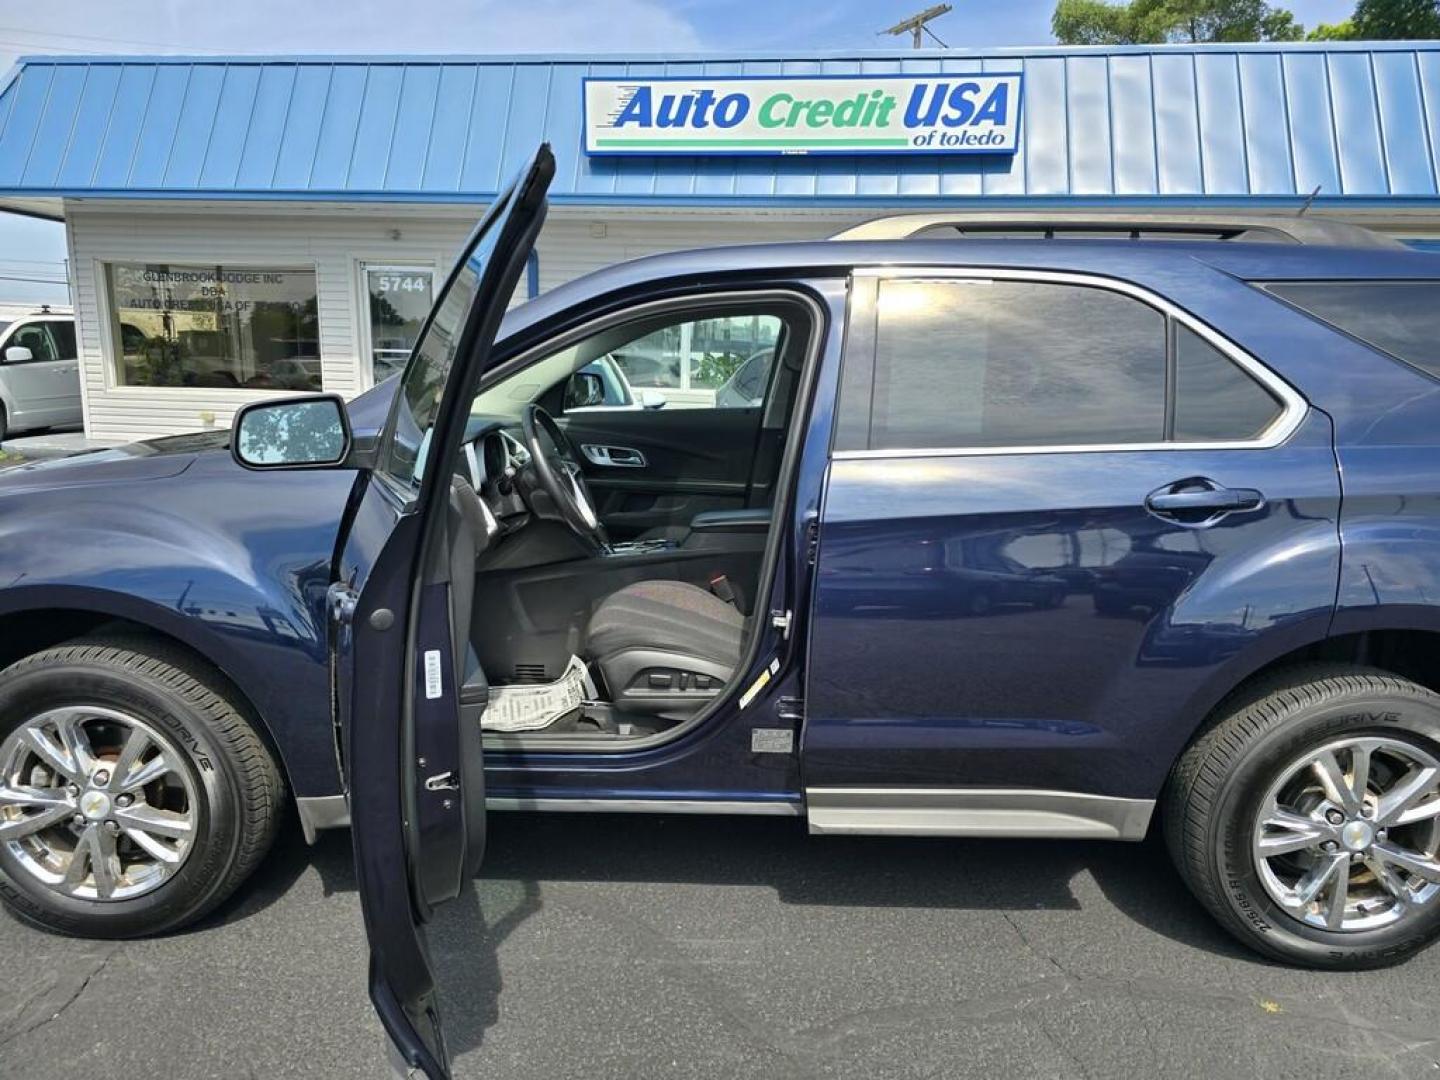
[
  {"x": 291, "y": 433},
  {"x": 652, "y": 399},
  {"x": 19, "y": 354},
  {"x": 584, "y": 390}
]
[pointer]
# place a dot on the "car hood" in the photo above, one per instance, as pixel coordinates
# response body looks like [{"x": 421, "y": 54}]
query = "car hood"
[
  {"x": 155, "y": 459},
  {"x": 152, "y": 459}
]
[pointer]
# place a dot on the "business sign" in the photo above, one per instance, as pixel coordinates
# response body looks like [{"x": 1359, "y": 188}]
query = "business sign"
[{"x": 843, "y": 114}]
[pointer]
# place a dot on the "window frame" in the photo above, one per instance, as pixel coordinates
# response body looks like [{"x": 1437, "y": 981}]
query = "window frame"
[{"x": 855, "y": 405}]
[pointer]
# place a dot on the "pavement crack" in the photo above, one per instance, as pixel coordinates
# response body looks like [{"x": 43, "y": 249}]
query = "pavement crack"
[
  {"x": 59, "y": 1010},
  {"x": 1055, "y": 1041},
  {"x": 1043, "y": 957}
]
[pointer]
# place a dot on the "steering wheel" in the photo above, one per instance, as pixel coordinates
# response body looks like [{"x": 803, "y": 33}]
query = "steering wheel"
[{"x": 557, "y": 473}]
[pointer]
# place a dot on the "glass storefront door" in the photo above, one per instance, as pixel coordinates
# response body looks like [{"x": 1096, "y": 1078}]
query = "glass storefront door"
[{"x": 400, "y": 298}]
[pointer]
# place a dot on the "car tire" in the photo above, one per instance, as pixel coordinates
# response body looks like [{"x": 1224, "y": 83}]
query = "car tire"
[
  {"x": 4, "y": 424},
  {"x": 1252, "y": 761},
  {"x": 218, "y": 771}
]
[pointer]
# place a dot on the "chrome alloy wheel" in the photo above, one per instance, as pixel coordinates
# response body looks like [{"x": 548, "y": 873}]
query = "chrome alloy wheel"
[
  {"x": 1347, "y": 837},
  {"x": 95, "y": 803}
]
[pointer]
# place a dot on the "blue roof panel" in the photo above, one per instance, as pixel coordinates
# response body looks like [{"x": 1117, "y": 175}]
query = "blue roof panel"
[{"x": 1357, "y": 121}]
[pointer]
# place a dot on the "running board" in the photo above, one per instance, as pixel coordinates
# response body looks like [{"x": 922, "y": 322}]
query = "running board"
[
  {"x": 879, "y": 811},
  {"x": 322, "y": 812},
  {"x": 976, "y": 812}
]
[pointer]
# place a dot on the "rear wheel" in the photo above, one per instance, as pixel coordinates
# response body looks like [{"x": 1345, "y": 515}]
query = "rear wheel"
[
  {"x": 134, "y": 796},
  {"x": 1307, "y": 818}
]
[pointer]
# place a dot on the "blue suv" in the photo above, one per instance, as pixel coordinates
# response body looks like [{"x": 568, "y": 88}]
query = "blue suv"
[{"x": 1096, "y": 526}]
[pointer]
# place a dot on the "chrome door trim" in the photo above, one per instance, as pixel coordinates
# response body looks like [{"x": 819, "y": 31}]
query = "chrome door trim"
[
  {"x": 619, "y": 457},
  {"x": 1015, "y": 812},
  {"x": 767, "y": 807},
  {"x": 1292, "y": 413}
]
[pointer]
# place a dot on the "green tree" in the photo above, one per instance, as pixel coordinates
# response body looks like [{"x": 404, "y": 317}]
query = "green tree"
[
  {"x": 1137, "y": 22},
  {"x": 1341, "y": 31},
  {"x": 1390, "y": 20}
]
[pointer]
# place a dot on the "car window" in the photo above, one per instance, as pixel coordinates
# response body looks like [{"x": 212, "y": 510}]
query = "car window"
[
  {"x": 63, "y": 334},
  {"x": 972, "y": 363},
  {"x": 694, "y": 363},
  {"x": 722, "y": 361},
  {"x": 747, "y": 386},
  {"x": 36, "y": 338},
  {"x": 1215, "y": 399},
  {"x": 1401, "y": 318}
]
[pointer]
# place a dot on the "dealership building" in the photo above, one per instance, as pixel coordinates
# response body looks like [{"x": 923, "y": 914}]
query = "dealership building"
[{"x": 239, "y": 226}]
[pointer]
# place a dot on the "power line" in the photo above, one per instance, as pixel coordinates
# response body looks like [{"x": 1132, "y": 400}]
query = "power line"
[
  {"x": 88, "y": 37},
  {"x": 34, "y": 280}
]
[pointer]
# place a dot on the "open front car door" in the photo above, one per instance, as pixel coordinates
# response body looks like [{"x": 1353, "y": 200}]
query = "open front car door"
[{"x": 408, "y": 691}]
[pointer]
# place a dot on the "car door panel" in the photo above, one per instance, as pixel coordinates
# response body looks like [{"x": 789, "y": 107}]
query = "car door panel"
[
  {"x": 913, "y": 681},
  {"x": 694, "y": 460},
  {"x": 991, "y": 612},
  {"x": 413, "y": 769}
]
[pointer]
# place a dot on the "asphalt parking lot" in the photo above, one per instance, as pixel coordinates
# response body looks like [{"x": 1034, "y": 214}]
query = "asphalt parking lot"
[{"x": 619, "y": 946}]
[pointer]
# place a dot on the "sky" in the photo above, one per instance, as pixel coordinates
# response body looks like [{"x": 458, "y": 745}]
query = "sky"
[{"x": 36, "y": 250}]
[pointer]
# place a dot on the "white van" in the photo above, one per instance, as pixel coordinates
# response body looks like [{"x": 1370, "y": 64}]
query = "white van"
[{"x": 39, "y": 372}]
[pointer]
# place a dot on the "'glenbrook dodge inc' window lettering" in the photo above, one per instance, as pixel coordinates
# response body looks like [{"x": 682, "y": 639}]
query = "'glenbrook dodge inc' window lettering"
[{"x": 219, "y": 327}]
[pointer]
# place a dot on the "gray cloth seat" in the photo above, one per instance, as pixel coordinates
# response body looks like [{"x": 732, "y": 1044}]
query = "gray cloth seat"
[{"x": 664, "y": 646}]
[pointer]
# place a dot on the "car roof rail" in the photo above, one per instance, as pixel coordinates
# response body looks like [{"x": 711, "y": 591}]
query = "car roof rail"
[{"x": 1113, "y": 224}]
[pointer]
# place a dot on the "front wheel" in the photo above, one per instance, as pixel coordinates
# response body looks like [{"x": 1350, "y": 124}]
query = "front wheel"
[
  {"x": 1307, "y": 818},
  {"x": 134, "y": 795}
]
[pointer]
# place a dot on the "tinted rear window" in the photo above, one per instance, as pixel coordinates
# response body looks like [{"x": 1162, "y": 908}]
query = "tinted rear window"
[
  {"x": 64, "y": 335},
  {"x": 1015, "y": 363},
  {"x": 1401, "y": 318},
  {"x": 1215, "y": 400}
]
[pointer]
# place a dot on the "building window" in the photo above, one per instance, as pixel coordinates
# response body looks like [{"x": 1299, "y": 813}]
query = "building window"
[
  {"x": 222, "y": 327},
  {"x": 400, "y": 299}
]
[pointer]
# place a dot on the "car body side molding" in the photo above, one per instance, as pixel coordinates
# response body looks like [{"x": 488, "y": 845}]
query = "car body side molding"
[{"x": 1014, "y": 812}]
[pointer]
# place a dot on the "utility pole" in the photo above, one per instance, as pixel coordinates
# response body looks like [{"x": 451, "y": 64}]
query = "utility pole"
[{"x": 915, "y": 25}]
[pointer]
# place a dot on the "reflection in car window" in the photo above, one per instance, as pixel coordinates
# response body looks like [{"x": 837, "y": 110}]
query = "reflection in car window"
[
  {"x": 1215, "y": 399},
  {"x": 1015, "y": 363},
  {"x": 418, "y": 402},
  {"x": 1401, "y": 318}
]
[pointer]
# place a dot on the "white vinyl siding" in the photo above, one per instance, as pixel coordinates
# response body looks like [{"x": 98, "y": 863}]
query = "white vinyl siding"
[{"x": 336, "y": 240}]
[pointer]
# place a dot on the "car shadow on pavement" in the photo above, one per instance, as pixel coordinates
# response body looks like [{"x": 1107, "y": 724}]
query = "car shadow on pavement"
[{"x": 525, "y": 851}]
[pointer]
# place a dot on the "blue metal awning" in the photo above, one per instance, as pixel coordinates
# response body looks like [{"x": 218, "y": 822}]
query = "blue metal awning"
[{"x": 1358, "y": 122}]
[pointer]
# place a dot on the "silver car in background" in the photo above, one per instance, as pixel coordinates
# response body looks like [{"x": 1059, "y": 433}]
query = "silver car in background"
[{"x": 39, "y": 373}]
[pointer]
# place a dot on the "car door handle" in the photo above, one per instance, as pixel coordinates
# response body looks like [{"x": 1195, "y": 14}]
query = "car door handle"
[
  {"x": 619, "y": 456},
  {"x": 1201, "y": 501}
]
